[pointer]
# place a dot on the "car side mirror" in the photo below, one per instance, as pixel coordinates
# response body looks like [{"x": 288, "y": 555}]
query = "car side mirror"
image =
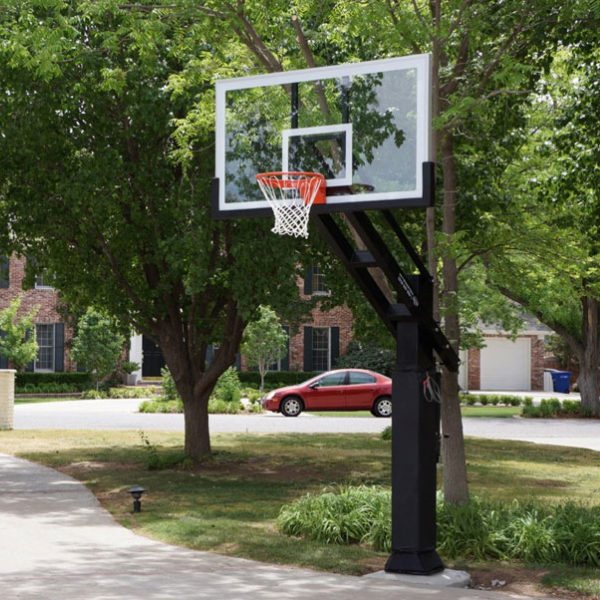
[{"x": 314, "y": 385}]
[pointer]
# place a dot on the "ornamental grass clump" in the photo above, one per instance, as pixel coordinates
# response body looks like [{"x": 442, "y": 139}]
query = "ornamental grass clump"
[
  {"x": 345, "y": 515},
  {"x": 483, "y": 529}
]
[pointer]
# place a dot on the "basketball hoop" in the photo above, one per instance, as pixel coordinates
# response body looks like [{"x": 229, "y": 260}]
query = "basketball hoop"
[{"x": 291, "y": 194}]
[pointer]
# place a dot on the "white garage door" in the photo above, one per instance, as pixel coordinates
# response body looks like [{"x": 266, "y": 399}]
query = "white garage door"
[{"x": 506, "y": 365}]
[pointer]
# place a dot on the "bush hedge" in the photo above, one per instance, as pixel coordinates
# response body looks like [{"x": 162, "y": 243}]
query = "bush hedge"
[
  {"x": 494, "y": 399},
  {"x": 274, "y": 379},
  {"x": 553, "y": 407},
  {"x": 48, "y": 388},
  {"x": 81, "y": 381}
]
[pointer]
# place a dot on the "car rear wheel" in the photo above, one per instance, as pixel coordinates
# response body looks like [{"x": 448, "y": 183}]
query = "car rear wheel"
[
  {"x": 291, "y": 406},
  {"x": 383, "y": 407}
]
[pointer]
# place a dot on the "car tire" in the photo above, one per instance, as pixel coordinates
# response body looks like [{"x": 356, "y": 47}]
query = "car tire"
[
  {"x": 291, "y": 406},
  {"x": 382, "y": 407}
]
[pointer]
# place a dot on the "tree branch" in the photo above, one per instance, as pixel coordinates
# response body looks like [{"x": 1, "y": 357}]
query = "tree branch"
[{"x": 575, "y": 344}]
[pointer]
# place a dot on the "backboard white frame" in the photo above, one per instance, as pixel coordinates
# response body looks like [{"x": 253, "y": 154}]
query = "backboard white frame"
[
  {"x": 422, "y": 65},
  {"x": 345, "y": 128}
]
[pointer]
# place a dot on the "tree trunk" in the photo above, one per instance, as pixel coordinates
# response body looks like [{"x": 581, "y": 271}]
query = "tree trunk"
[
  {"x": 588, "y": 388},
  {"x": 197, "y": 438},
  {"x": 194, "y": 386},
  {"x": 456, "y": 489},
  {"x": 589, "y": 357}
]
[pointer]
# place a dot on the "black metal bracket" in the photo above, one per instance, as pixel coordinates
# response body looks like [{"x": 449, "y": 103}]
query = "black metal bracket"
[{"x": 378, "y": 254}]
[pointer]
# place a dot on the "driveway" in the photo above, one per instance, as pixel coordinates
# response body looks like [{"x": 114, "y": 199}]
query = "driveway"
[{"x": 123, "y": 415}]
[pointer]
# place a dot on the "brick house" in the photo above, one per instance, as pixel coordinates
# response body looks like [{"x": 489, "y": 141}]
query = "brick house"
[
  {"x": 503, "y": 364},
  {"x": 51, "y": 331},
  {"x": 318, "y": 344},
  {"x": 314, "y": 347}
]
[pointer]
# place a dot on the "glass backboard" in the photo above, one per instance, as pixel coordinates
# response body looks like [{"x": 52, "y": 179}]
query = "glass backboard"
[{"x": 364, "y": 126}]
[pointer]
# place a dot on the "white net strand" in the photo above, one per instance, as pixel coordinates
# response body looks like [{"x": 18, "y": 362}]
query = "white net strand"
[{"x": 290, "y": 196}]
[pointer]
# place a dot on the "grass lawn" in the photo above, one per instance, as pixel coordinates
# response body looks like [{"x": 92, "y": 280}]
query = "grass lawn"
[
  {"x": 38, "y": 399},
  {"x": 228, "y": 504},
  {"x": 495, "y": 412}
]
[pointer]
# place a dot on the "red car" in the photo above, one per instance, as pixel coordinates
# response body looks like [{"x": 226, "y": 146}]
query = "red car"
[{"x": 344, "y": 389}]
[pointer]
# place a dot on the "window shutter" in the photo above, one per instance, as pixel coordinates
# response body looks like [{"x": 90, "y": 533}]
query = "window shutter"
[
  {"x": 59, "y": 347},
  {"x": 4, "y": 272},
  {"x": 285, "y": 361},
  {"x": 308, "y": 281},
  {"x": 3, "y": 359},
  {"x": 308, "y": 362},
  {"x": 335, "y": 346}
]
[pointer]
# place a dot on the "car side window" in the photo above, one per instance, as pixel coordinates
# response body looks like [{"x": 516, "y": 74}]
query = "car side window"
[
  {"x": 358, "y": 378},
  {"x": 332, "y": 379}
]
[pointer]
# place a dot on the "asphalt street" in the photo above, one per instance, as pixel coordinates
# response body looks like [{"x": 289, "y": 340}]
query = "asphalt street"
[{"x": 123, "y": 415}]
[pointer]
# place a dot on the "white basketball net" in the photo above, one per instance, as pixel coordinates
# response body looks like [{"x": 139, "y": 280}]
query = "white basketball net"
[{"x": 291, "y": 195}]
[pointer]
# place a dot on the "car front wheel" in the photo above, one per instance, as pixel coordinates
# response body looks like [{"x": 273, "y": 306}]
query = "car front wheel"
[
  {"x": 291, "y": 406},
  {"x": 383, "y": 407}
]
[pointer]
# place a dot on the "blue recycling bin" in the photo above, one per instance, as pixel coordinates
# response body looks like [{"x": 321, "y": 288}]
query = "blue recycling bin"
[{"x": 561, "y": 381}]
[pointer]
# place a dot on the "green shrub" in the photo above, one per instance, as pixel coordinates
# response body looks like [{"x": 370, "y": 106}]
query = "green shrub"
[
  {"x": 471, "y": 399},
  {"x": 228, "y": 386},
  {"x": 94, "y": 395},
  {"x": 48, "y": 388},
  {"x": 129, "y": 366},
  {"x": 528, "y": 401},
  {"x": 495, "y": 399},
  {"x": 81, "y": 381},
  {"x": 515, "y": 401},
  {"x": 256, "y": 407},
  {"x": 252, "y": 395},
  {"x": 546, "y": 409},
  {"x": 169, "y": 390},
  {"x": 386, "y": 434},
  {"x": 571, "y": 407},
  {"x": 483, "y": 399},
  {"x": 275, "y": 379},
  {"x": 123, "y": 392},
  {"x": 530, "y": 411},
  {"x": 555, "y": 405},
  {"x": 362, "y": 356},
  {"x": 159, "y": 405},
  {"x": 220, "y": 406}
]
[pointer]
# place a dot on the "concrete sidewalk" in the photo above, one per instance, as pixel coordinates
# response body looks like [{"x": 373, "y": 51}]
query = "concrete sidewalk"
[{"x": 58, "y": 543}]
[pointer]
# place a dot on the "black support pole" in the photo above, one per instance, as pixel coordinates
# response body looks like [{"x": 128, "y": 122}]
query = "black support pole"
[{"x": 415, "y": 445}]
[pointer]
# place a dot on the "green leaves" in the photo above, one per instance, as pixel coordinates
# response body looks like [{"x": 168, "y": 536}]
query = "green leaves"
[
  {"x": 98, "y": 344},
  {"x": 18, "y": 343},
  {"x": 264, "y": 341}
]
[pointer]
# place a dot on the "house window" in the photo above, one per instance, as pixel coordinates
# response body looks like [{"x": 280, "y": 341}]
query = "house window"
[
  {"x": 318, "y": 281},
  {"x": 43, "y": 280},
  {"x": 320, "y": 349},
  {"x": 45, "y": 340}
]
